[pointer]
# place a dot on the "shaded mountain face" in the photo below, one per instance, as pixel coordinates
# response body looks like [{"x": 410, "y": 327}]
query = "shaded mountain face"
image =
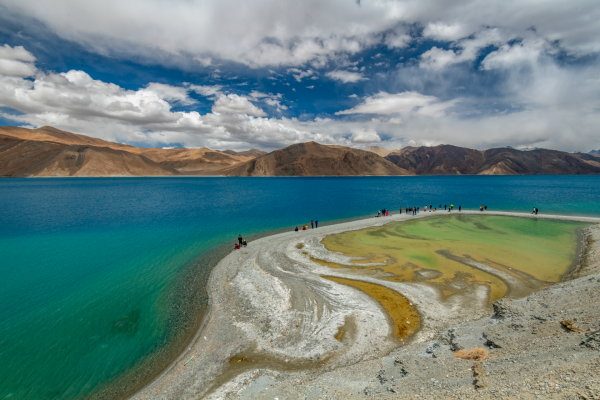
[
  {"x": 453, "y": 160},
  {"x": 28, "y": 158},
  {"x": 313, "y": 159},
  {"x": 595, "y": 152}
]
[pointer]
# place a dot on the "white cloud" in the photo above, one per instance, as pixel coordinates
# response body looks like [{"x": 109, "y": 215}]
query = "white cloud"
[
  {"x": 170, "y": 93},
  {"x": 299, "y": 75},
  {"x": 397, "y": 40},
  {"x": 16, "y": 61},
  {"x": 205, "y": 61},
  {"x": 466, "y": 50},
  {"x": 365, "y": 136},
  {"x": 353, "y": 96},
  {"x": 207, "y": 91},
  {"x": 403, "y": 103},
  {"x": 346, "y": 76},
  {"x": 445, "y": 32},
  {"x": 234, "y": 104},
  {"x": 300, "y": 33},
  {"x": 509, "y": 55},
  {"x": 310, "y": 87}
]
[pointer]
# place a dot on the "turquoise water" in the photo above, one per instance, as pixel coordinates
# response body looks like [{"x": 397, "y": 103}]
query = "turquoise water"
[{"x": 91, "y": 269}]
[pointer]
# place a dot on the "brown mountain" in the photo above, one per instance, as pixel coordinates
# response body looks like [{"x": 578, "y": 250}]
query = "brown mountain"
[
  {"x": 41, "y": 158},
  {"x": 453, "y": 160},
  {"x": 248, "y": 153},
  {"x": 380, "y": 151},
  {"x": 313, "y": 159},
  {"x": 201, "y": 161}
]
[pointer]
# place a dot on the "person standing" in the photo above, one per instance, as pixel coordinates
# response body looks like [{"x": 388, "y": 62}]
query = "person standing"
[
  {"x": 445, "y": 206},
  {"x": 316, "y": 223},
  {"x": 430, "y": 207},
  {"x": 240, "y": 239},
  {"x": 484, "y": 208},
  {"x": 459, "y": 208},
  {"x": 400, "y": 210},
  {"x": 312, "y": 224}
]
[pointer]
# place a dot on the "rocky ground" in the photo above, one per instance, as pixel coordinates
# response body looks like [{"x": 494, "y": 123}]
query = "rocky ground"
[
  {"x": 546, "y": 345},
  {"x": 532, "y": 354}
]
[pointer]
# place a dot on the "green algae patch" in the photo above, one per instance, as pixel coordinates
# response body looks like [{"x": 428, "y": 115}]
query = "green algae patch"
[
  {"x": 405, "y": 318},
  {"x": 513, "y": 256}
]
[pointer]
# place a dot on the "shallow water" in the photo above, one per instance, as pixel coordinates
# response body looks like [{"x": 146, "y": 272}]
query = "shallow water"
[
  {"x": 95, "y": 273},
  {"x": 521, "y": 254}
]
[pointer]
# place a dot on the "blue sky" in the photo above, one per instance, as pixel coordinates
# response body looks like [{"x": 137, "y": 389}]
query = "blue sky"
[{"x": 266, "y": 74}]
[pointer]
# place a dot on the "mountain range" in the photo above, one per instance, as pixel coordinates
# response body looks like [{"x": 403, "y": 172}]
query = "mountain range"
[{"x": 48, "y": 151}]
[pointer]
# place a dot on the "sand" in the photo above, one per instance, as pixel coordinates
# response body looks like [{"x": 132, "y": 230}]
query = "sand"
[{"x": 274, "y": 326}]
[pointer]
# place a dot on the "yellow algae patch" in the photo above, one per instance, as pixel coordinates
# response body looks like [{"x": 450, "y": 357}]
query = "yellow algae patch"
[
  {"x": 454, "y": 252},
  {"x": 405, "y": 318}
]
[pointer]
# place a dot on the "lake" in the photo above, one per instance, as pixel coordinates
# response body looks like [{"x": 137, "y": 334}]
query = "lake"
[{"x": 101, "y": 278}]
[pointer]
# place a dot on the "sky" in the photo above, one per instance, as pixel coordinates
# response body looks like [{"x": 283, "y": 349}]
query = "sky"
[{"x": 265, "y": 74}]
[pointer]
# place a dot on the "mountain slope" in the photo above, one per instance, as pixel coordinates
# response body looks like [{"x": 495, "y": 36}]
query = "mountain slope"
[
  {"x": 27, "y": 158},
  {"x": 313, "y": 159},
  {"x": 380, "y": 151},
  {"x": 453, "y": 160},
  {"x": 248, "y": 153},
  {"x": 187, "y": 161},
  {"x": 439, "y": 160}
]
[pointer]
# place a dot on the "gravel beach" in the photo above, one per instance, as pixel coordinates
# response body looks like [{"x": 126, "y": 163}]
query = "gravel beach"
[{"x": 273, "y": 321}]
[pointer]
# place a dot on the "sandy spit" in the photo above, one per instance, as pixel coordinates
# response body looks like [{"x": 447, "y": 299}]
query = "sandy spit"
[{"x": 269, "y": 301}]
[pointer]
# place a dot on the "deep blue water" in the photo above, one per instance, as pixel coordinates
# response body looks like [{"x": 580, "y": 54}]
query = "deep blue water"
[{"x": 88, "y": 267}]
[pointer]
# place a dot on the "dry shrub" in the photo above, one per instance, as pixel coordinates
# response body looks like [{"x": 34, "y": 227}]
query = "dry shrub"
[
  {"x": 476, "y": 354},
  {"x": 569, "y": 324}
]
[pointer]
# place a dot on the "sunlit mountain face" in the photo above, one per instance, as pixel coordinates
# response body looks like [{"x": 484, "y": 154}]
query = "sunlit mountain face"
[{"x": 265, "y": 74}]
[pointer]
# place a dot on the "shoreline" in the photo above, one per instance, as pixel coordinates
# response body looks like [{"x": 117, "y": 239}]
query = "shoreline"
[{"x": 234, "y": 277}]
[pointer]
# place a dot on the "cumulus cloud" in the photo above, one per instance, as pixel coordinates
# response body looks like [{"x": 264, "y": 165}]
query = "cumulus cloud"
[
  {"x": 365, "y": 136},
  {"x": 443, "y": 31},
  {"x": 16, "y": 61},
  {"x": 346, "y": 76},
  {"x": 234, "y": 104}
]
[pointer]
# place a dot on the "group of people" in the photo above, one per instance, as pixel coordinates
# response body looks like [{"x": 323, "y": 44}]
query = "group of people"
[
  {"x": 313, "y": 224},
  {"x": 384, "y": 213},
  {"x": 416, "y": 210},
  {"x": 482, "y": 208},
  {"x": 241, "y": 242}
]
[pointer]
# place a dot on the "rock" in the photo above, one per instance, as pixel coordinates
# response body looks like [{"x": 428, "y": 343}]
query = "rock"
[
  {"x": 381, "y": 376},
  {"x": 505, "y": 308},
  {"x": 478, "y": 374},
  {"x": 592, "y": 341},
  {"x": 449, "y": 338}
]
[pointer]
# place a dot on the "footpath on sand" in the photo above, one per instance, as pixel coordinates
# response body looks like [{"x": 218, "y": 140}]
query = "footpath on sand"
[{"x": 270, "y": 302}]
